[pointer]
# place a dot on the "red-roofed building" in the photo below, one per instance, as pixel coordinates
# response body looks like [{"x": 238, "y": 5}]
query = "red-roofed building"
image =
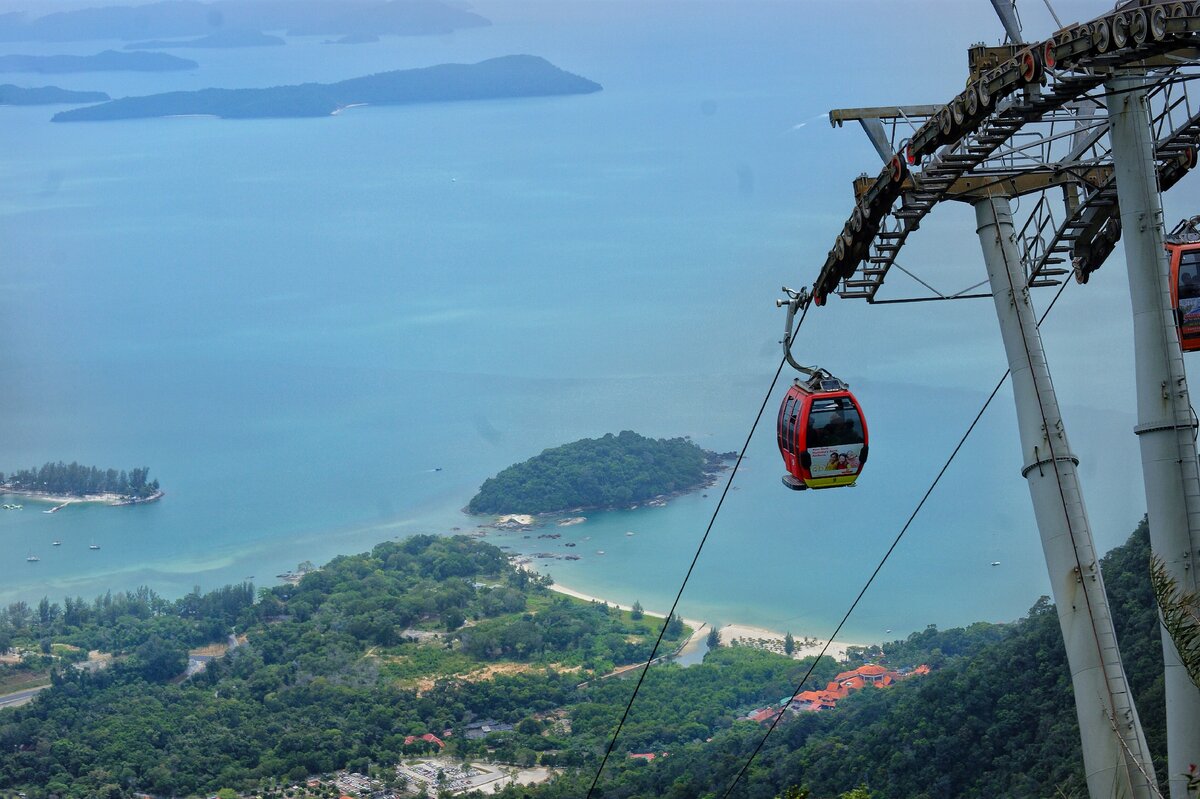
[
  {"x": 647, "y": 756},
  {"x": 853, "y": 680},
  {"x": 430, "y": 737}
]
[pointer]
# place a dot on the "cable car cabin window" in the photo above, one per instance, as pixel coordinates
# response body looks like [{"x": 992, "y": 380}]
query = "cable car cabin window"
[
  {"x": 1187, "y": 299},
  {"x": 1189, "y": 274},
  {"x": 834, "y": 422},
  {"x": 790, "y": 411}
]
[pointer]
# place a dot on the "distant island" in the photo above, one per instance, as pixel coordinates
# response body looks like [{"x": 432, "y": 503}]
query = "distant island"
[
  {"x": 496, "y": 78},
  {"x": 107, "y": 61},
  {"x": 608, "y": 472},
  {"x": 73, "y": 482},
  {"x": 46, "y": 95},
  {"x": 223, "y": 38},
  {"x": 182, "y": 18}
]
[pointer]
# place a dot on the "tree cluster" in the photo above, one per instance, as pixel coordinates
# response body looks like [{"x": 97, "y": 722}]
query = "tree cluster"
[
  {"x": 611, "y": 471},
  {"x": 73, "y": 479}
]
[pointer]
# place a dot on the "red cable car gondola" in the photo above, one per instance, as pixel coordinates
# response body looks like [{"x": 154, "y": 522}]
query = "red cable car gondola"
[
  {"x": 1183, "y": 248},
  {"x": 822, "y": 434},
  {"x": 821, "y": 430}
]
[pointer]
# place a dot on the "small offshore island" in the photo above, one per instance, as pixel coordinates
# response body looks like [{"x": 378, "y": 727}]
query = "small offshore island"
[
  {"x": 599, "y": 474},
  {"x": 67, "y": 483}
]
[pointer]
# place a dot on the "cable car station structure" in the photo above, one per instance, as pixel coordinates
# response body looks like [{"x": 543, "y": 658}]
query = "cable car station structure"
[{"x": 1094, "y": 123}]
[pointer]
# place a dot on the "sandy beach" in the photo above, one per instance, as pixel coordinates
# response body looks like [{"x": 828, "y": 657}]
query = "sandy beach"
[
  {"x": 744, "y": 634},
  {"x": 762, "y": 638},
  {"x": 66, "y": 499}
]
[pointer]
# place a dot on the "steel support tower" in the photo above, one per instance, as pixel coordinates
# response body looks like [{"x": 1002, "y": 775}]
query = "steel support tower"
[
  {"x": 1035, "y": 121},
  {"x": 1165, "y": 422},
  {"x": 1115, "y": 756}
]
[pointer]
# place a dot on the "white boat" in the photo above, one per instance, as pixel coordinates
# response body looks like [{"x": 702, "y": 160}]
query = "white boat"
[
  {"x": 32, "y": 558},
  {"x": 93, "y": 546},
  {"x": 56, "y": 543},
  {"x": 995, "y": 563}
]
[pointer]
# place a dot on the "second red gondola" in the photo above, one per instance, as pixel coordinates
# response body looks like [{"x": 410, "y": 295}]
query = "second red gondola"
[
  {"x": 1183, "y": 249},
  {"x": 822, "y": 434}
]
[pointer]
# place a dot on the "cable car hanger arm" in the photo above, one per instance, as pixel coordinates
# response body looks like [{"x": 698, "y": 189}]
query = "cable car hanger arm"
[{"x": 796, "y": 300}]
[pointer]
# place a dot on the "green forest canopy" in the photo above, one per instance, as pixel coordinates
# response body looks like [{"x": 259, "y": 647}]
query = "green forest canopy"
[
  {"x": 328, "y": 680},
  {"x": 610, "y": 471}
]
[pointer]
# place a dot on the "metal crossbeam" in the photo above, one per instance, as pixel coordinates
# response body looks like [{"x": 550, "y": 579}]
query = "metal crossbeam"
[{"x": 1032, "y": 121}]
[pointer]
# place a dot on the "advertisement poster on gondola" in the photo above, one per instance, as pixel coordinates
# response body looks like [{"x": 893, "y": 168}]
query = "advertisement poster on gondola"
[
  {"x": 835, "y": 461},
  {"x": 1189, "y": 314}
]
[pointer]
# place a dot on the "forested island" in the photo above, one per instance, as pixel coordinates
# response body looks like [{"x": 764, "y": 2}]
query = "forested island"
[
  {"x": 496, "y": 78},
  {"x": 46, "y": 95},
  {"x": 607, "y": 472},
  {"x": 107, "y": 61},
  {"x": 75, "y": 481},
  {"x": 368, "y": 660}
]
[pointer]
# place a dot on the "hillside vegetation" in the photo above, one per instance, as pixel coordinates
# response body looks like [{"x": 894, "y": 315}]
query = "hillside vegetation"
[
  {"x": 996, "y": 717},
  {"x": 429, "y": 634}
]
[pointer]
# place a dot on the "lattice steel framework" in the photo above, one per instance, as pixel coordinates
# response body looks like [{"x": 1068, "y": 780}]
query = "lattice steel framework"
[{"x": 1032, "y": 121}]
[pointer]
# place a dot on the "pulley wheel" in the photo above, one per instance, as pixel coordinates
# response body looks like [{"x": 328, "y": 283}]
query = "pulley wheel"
[
  {"x": 1101, "y": 36},
  {"x": 1029, "y": 66},
  {"x": 1120, "y": 30},
  {"x": 981, "y": 91},
  {"x": 945, "y": 122},
  {"x": 1049, "y": 60},
  {"x": 970, "y": 102},
  {"x": 1158, "y": 23},
  {"x": 1138, "y": 28}
]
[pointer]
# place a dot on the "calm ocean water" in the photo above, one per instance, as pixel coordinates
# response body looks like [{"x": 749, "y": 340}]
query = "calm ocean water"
[{"x": 320, "y": 334}]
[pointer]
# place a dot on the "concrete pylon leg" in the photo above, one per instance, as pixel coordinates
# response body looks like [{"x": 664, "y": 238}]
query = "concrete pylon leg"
[
  {"x": 1115, "y": 756},
  {"x": 1165, "y": 426}
]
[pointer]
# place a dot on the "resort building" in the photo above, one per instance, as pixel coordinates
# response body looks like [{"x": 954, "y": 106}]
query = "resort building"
[{"x": 839, "y": 688}]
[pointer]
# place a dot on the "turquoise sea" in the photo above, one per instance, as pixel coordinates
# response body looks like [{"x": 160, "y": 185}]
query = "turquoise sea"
[{"x": 323, "y": 333}]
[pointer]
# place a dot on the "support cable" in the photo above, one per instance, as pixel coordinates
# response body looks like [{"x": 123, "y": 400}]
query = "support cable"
[
  {"x": 696, "y": 557},
  {"x": 895, "y": 543}
]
